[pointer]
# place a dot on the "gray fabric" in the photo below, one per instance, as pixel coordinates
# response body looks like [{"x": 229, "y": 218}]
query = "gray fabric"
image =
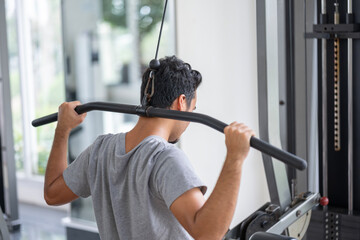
[{"x": 132, "y": 192}]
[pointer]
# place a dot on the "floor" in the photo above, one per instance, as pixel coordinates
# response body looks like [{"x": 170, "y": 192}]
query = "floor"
[{"x": 39, "y": 223}]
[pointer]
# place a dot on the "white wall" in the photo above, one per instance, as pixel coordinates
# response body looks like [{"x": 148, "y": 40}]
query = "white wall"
[{"x": 218, "y": 38}]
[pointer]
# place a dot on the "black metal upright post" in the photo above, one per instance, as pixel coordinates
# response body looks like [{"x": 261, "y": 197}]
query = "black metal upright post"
[
  {"x": 290, "y": 84},
  {"x": 356, "y": 112},
  {"x": 2, "y": 198}
]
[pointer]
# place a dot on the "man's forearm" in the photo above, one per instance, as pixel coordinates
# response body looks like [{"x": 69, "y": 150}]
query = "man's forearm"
[
  {"x": 57, "y": 162},
  {"x": 214, "y": 218}
]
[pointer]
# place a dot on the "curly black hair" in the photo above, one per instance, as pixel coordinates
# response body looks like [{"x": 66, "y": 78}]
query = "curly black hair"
[{"x": 173, "y": 78}]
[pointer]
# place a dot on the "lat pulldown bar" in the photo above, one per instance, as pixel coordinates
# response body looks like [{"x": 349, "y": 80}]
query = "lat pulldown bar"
[{"x": 256, "y": 143}]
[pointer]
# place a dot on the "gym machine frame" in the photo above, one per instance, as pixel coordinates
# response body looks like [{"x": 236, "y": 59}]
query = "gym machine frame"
[{"x": 338, "y": 34}]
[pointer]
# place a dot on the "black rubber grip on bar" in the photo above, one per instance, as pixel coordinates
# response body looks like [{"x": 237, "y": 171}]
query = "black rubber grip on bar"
[
  {"x": 110, "y": 107},
  {"x": 256, "y": 143},
  {"x": 277, "y": 153},
  {"x": 87, "y": 107},
  {"x": 45, "y": 120}
]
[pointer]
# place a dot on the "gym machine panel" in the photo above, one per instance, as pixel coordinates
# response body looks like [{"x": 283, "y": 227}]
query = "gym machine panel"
[{"x": 338, "y": 34}]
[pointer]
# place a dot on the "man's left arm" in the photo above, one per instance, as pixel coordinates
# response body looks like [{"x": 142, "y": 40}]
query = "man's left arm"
[{"x": 56, "y": 192}]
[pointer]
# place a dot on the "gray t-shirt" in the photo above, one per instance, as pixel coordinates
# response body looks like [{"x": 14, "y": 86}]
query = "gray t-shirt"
[{"x": 132, "y": 192}]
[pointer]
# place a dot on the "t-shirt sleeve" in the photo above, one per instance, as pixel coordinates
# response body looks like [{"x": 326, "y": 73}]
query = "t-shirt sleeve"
[
  {"x": 76, "y": 174},
  {"x": 175, "y": 176}
]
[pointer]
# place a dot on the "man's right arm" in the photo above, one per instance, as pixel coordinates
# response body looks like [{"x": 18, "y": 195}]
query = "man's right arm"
[
  {"x": 56, "y": 192},
  {"x": 211, "y": 219}
]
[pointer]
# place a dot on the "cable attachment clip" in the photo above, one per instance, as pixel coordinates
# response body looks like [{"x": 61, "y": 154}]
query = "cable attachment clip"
[
  {"x": 147, "y": 95},
  {"x": 154, "y": 66}
]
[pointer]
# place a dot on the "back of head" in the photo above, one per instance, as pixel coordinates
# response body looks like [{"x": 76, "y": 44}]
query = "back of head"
[{"x": 173, "y": 78}]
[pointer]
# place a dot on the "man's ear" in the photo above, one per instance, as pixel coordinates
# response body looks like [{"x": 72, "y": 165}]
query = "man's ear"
[
  {"x": 182, "y": 103},
  {"x": 179, "y": 103}
]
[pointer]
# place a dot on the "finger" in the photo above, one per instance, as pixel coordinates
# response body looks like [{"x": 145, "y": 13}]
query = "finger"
[
  {"x": 243, "y": 127},
  {"x": 76, "y": 102},
  {"x": 62, "y": 105},
  {"x": 83, "y": 116},
  {"x": 246, "y": 128},
  {"x": 233, "y": 124},
  {"x": 249, "y": 134},
  {"x": 226, "y": 129},
  {"x": 73, "y": 104}
]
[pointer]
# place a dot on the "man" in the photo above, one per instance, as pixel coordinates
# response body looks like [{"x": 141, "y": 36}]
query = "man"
[{"x": 142, "y": 186}]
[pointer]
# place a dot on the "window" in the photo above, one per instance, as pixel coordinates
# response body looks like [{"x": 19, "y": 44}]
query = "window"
[
  {"x": 15, "y": 84},
  {"x": 36, "y": 76}
]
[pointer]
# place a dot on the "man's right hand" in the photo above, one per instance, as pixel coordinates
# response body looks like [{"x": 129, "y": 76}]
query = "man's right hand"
[
  {"x": 237, "y": 139},
  {"x": 68, "y": 118}
]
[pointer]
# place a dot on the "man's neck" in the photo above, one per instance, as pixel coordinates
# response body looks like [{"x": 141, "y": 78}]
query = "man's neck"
[{"x": 147, "y": 127}]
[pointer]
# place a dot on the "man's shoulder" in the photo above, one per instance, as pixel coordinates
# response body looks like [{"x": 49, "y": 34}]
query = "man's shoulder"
[
  {"x": 171, "y": 152},
  {"x": 106, "y": 141},
  {"x": 109, "y": 137}
]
